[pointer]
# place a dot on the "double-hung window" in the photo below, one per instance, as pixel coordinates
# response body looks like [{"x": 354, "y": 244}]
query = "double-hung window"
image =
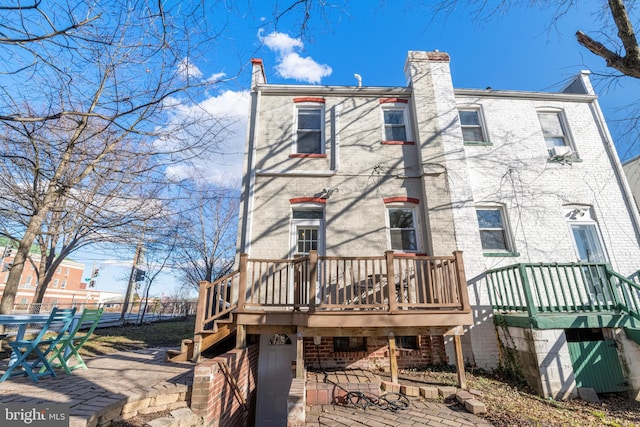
[
  {"x": 394, "y": 125},
  {"x": 471, "y": 123},
  {"x": 395, "y": 119},
  {"x": 555, "y": 133},
  {"x": 402, "y": 229},
  {"x": 309, "y": 136},
  {"x": 494, "y": 234}
]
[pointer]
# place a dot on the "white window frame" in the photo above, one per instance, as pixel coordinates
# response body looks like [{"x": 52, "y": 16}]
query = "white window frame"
[
  {"x": 583, "y": 215},
  {"x": 396, "y": 106},
  {"x": 307, "y": 222},
  {"x": 416, "y": 225},
  {"x": 309, "y": 106},
  {"x": 55, "y": 283},
  {"x": 506, "y": 230},
  {"x": 481, "y": 125},
  {"x": 566, "y": 134}
]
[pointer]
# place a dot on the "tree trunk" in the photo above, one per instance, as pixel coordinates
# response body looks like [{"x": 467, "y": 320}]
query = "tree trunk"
[{"x": 22, "y": 253}]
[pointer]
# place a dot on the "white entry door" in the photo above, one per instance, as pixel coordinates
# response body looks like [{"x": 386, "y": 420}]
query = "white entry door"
[{"x": 274, "y": 379}]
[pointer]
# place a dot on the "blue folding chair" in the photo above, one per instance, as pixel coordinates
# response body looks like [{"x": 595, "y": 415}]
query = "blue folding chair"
[{"x": 24, "y": 348}]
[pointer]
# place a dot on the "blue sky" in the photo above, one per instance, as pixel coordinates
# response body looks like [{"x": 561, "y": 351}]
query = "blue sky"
[{"x": 518, "y": 50}]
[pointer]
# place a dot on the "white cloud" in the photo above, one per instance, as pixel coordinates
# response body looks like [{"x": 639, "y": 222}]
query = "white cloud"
[
  {"x": 291, "y": 65},
  {"x": 224, "y": 166},
  {"x": 215, "y": 77},
  {"x": 281, "y": 43},
  {"x": 187, "y": 70}
]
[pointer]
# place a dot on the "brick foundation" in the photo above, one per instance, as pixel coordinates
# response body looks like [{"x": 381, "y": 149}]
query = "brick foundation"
[
  {"x": 430, "y": 351},
  {"x": 213, "y": 397}
]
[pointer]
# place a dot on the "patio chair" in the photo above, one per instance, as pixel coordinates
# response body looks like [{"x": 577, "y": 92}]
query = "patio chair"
[
  {"x": 24, "y": 348},
  {"x": 69, "y": 345}
]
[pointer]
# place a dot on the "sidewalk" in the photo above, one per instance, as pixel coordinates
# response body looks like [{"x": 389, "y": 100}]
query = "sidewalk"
[
  {"x": 123, "y": 382},
  {"x": 421, "y": 413}
]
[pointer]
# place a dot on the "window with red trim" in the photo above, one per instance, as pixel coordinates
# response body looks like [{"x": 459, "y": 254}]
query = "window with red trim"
[
  {"x": 402, "y": 229},
  {"x": 395, "y": 120}
]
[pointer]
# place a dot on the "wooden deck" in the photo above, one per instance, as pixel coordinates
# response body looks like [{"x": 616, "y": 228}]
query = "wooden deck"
[{"x": 340, "y": 292}]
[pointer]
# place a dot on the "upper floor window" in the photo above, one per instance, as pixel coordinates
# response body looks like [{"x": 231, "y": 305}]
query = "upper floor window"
[
  {"x": 394, "y": 115},
  {"x": 402, "y": 224},
  {"x": 310, "y": 129},
  {"x": 63, "y": 284},
  {"x": 472, "y": 129},
  {"x": 55, "y": 283},
  {"x": 555, "y": 133},
  {"x": 394, "y": 125},
  {"x": 59, "y": 270},
  {"x": 494, "y": 234},
  {"x": 402, "y": 229}
]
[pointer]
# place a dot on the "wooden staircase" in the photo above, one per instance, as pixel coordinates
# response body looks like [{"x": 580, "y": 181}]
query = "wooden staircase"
[{"x": 191, "y": 348}]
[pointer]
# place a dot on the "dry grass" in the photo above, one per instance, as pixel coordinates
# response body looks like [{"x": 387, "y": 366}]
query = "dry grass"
[{"x": 510, "y": 403}]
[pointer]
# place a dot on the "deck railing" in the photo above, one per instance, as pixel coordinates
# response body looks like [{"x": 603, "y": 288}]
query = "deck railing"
[
  {"x": 561, "y": 288},
  {"x": 388, "y": 283}
]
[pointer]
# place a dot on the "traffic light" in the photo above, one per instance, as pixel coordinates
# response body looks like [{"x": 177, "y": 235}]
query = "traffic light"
[
  {"x": 8, "y": 251},
  {"x": 140, "y": 275},
  {"x": 92, "y": 283},
  {"x": 7, "y": 266},
  {"x": 96, "y": 272}
]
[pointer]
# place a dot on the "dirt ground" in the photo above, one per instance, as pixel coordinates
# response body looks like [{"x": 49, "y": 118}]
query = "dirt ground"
[{"x": 512, "y": 404}]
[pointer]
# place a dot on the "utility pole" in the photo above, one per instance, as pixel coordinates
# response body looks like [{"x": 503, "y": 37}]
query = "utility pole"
[{"x": 132, "y": 282}]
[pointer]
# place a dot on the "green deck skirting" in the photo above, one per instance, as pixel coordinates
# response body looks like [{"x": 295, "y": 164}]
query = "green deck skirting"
[{"x": 567, "y": 321}]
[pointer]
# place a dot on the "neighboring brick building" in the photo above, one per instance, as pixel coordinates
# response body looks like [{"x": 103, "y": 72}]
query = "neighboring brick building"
[
  {"x": 506, "y": 177},
  {"x": 67, "y": 286}
]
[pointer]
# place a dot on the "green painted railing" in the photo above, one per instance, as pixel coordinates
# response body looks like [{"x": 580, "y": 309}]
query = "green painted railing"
[{"x": 562, "y": 288}]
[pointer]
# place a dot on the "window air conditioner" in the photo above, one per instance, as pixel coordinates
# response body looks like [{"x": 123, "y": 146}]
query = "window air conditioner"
[{"x": 560, "y": 152}]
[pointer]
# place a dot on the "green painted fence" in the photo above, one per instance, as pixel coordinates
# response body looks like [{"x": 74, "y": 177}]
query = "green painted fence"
[{"x": 562, "y": 288}]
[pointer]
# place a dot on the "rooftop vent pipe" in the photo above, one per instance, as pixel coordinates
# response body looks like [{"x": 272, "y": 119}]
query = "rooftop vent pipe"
[{"x": 359, "y": 79}]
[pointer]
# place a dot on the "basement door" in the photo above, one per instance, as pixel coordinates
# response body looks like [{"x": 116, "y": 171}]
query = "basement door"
[
  {"x": 595, "y": 361},
  {"x": 277, "y": 351}
]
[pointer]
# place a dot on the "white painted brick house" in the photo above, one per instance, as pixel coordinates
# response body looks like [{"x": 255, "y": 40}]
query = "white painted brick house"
[{"x": 508, "y": 178}]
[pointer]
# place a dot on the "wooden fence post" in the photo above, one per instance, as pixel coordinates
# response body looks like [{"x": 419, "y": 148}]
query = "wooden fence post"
[
  {"x": 201, "y": 308},
  {"x": 462, "y": 281},
  {"x": 242, "y": 282},
  {"x": 391, "y": 282},
  {"x": 313, "y": 277}
]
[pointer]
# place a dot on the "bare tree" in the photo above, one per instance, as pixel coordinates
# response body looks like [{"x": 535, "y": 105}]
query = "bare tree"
[
  {"x": 157, "y": 256},
  {"x": 618, "y": 44},
  {"x": 88, "y": 118},
  {"x": 207, "y": 235},
  {"x": 628, "y": 62}
]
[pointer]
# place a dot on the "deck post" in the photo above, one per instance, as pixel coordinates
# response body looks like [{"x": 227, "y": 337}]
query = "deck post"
[
  {"x": 393, "y": 358},
  {"x": 197, "y": 348},
  {"x": 462, "y": 378},
  {"x": 299, "y": 355},
  {"x": 313, "y": 278},
  {"x": 241, "y": 336},
  {"x": 242, "y": 282},
  {"x": 200, "y": 307},
  {"x": 462, "y": 281},
  {"x": 391, "y": 282},
  {"x": 528, "y": 294}
]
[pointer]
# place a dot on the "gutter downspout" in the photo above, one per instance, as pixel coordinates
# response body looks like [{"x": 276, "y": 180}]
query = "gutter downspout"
[{"x": 617, "y": 167}]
